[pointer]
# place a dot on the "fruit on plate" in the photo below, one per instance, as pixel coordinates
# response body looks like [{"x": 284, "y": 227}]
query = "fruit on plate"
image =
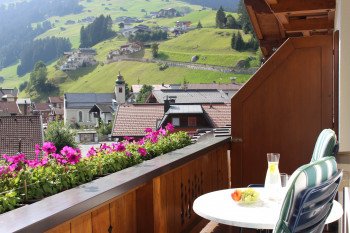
[
  {"x": 236, "y": 195},
  {"x": 248, "y": 195}
]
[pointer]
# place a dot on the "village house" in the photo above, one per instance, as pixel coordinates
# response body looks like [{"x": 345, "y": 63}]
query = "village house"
[
  {"x": 184, "y": 96},
  {"x": 126, "y": 49},
  {"x": 127, "y": 32},
  {"x": 86, "y": 108},
  {"x": 183, "y": 25},
  {"x": 83, "y": 57},
  {"x": 8, "y": 94},
  {"x": 23, "y": 105},
  {"x": 9, "y": 108},
  {"x": 56, "y": 104},
  {"x": 42, "y": 109},
  {"x": 126, "y": 20},
  {"x": 184, "y": 117},
  {"x": 168, "y": 13}
]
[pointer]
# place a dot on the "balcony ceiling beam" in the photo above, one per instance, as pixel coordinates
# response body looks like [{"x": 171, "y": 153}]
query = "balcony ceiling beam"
[
  {"x": 308, "y": 24},
  {"x": 284, "y": 6}
]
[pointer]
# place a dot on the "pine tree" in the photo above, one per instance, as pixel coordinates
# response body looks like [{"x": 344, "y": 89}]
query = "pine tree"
[
  {"x": 220, "y": 18},
  {"x": 239, "y": 44},
  {"x": 199, "y": 25},
  {"x": 231, "y": 22},
  {"x": 244, "y": 19},
  {"x": 233, "y": 41}
]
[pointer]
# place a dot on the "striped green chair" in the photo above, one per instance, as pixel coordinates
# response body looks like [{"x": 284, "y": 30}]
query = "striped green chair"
[
  {"x": 309, "y": 198},
  {"x": 326, "y": 145}
]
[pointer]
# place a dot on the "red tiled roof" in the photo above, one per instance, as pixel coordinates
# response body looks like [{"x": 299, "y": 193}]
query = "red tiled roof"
[
  {"x": 220, "y": 114},
  {"x": 42, "y": 107},
  {"x": 56, "y": 99},
  {"x": 8, "y": 108},
  {"x": 132, "y": 120}
]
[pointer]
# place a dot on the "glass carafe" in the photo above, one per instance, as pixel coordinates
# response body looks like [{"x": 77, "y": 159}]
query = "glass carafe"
[{"x": 273, "y": 178}]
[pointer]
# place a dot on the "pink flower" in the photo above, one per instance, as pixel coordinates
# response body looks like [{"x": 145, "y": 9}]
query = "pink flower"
[
  {"x": 49, "y": 147},
  {"x": 104, "y": 146},
  {"x": 120, "y": 147},
  {"x": 127, "y": 153},
  {"x": 3, "y": 170},
  {"x": 91, "y": 152},
  {"x": 128, "y": 138},
  {"x": 154, "y": 139},
  {"x": 162, "y": 131},
  {"x": 169, "y": 127},
  {"x": 142, "y": 151},
  {"x": 148, "y": 130},
  {"x": 71, "y": 155},
  {"x": 141, "y": 142},
  {"x": 37, "y": 150}
]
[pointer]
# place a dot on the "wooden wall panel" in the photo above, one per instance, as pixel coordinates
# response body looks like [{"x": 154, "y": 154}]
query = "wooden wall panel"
[
  {"x": 63, "y": 228},
  {"x": 101, "y": 219},
  {"x": 144, "y": 208},
  {"x": 123, "y": 213},
  {"x": 82, "y": 224},
  {"x": 282, "y": 109},
  {"x": 161, "y": 205}
]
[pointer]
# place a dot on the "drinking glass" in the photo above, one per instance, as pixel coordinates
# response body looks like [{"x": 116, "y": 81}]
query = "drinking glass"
[
  {"x": 284, "y": 179},
  {"x": 273, "y": 177}
]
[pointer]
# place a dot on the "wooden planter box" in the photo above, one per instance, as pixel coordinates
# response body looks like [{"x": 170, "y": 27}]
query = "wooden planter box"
[{"x": 155, "y": 196}]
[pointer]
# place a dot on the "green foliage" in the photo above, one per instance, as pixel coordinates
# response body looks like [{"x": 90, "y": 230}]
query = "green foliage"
[
  {"x": 104, "y": 128},
  {"x": 244, "y": 19},
  {"x": 155, "y": 35},
  {"x": 239, "y": 44},
  {"x": 220, "y": 18},
  {"x": 145, "y": 91},
  {"x": 97, "y": 31},
  {"x": 46, "y": 50},
  {"x": 60, "y": 135},
  {"x": 32, "y": 184},
  {"x": 232, "y": 23},
  {"x": 23, "y": 86},
  {"x": 38, "y": 82},
  {"x": 155, "y": 48},
  {"x": 2, "y": 79},
  {"x": 199, "y": 25}
]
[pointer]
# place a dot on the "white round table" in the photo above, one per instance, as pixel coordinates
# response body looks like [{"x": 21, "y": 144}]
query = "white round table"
[{"x": 219, "y": 207}]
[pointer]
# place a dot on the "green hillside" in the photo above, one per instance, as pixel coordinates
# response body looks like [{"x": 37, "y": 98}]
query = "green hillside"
[
  {"x": 102, "y": 78},
  {"x": 213, "y": 46},
  {"x": 210, "y": 44},
  {"x": 98, "y": 7}
]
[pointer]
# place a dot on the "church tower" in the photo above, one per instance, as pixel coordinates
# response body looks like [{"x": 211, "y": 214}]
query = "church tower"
[{"x": 120, "y": 89}]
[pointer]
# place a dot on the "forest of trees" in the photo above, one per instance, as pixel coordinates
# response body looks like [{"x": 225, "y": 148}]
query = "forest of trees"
[
  {"x": 44, "y": 50},
  {"x": 16, "y": 24},
  {"x": 228, "y": 5},
  {"x": 155, "y": 35},
  {"x": 97, "y": 31}
]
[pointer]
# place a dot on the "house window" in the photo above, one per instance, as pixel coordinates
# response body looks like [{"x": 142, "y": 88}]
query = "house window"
[
  {"x": 120, "y": 90},
  {"x": 192, "y": 121},
  {"x": 175, "y": 121},
  {"x": 80, "y": 116}
]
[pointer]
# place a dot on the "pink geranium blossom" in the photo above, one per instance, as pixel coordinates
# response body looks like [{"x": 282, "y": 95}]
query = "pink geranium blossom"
[
  {"x": 170, "y": 127},
  {"x": 49, "y": 147},
  {"x": 127, "y": 138},
  {"x": 92, "y": 152},
  {"x": 148, "y": 130},
  {"x": 142, "y": 151},
  {"x": 71, "y": 155}
]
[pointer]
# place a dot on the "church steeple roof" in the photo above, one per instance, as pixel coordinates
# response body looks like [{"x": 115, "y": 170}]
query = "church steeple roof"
[{"x": 120, "y": 79}]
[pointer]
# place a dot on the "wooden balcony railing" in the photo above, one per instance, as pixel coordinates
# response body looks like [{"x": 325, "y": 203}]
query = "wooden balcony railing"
[{"x": 155, "y": 196}]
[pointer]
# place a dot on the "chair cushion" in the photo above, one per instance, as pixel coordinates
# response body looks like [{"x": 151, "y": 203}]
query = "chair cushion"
[
  {"x": 309, "y": 175},
  {"x": 325, "y": 145}
]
